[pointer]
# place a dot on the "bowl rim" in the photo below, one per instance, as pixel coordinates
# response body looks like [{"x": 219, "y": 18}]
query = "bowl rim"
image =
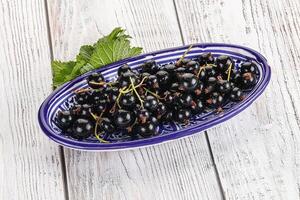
[{"x": 75, "y": 144}]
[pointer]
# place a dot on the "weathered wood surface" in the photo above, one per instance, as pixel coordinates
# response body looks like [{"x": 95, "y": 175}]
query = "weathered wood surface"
[
  {"x": 256, "y": 153},
  {"x": 178, "y": 170},
  {"x": 29, "y": 163}
]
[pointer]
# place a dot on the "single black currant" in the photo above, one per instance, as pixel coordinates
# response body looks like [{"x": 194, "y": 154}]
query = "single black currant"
[
  {"x": 96, "y": 80},
  {"x": 82, "y": 129},
  {"x": 193, "y": 67},
  {"x": 145, "y": 130},
  {"x": 198, "y": 107},
  {"x": 249, "y": 67},
  {"x": 249, "y": 80},
  {"x": 160, "y": 110},
  {"x": 152, "y": 81},
  {"x": 223, "y": 86},
  {"x": 64, "y": 119},
  {"x": 215, "y": 100},
  {"x": 123, "y": 69},
  {"x": 150, "y": 103},
  {"x": 188, "y": 82},
  {"x": 185, "y": 100},
  {"x": 205, "y": 58},
  {"x": 224, "y": 63},
  {"x": 82, "y": 97},
  {"x": 123, "y": 118},
  {"x": 127, "y": 100},
  {"x": 182, "y": 115},
  {"x": 236, "y": 94},
  {"x": 142, "y": 115},
  {"x": 150, "y": 67},
  {"x": 163, "y": 78}
]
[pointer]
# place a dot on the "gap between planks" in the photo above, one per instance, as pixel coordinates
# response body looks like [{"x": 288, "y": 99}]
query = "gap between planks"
[
  {"x": 205, "y": 132},
  {"x": 61, "y": 148}
]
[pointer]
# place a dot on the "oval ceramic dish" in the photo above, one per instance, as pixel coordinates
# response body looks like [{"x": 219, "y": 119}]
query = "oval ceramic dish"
[{"x": 63, "y": 98}]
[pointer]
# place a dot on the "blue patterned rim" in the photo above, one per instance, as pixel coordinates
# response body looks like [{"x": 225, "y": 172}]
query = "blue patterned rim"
[{"x": 57, "y": 100}]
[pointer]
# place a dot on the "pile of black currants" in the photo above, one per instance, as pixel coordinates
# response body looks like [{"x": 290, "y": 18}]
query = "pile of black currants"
[{"x": 138, "y": 101}]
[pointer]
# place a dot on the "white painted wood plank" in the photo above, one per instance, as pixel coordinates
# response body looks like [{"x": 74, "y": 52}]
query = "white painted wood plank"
[
  {"x": 257, "y": 153},
  {"x": 29, "y": 162},
  {"x": 177, "y": 170}
]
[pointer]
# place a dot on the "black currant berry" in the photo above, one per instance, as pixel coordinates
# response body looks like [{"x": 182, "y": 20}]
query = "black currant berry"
[
  {"x": 150, "y": 67},
  {"x": 123, "y": 118},
  {"x": 82, "y": 129},
  {"x": 64, "y": 119},
  {"x": 150, "y": 103},
  {"x": 223, "y": 63},
  {"x": 123, "y": 69},
  {"x": 188, "y": 82},
  {"x": 249, "y": 67},
  {"x": 96, "y": 80},
  {"x": 182, "y": 115},
  {"x": 205, "y": 58},
  {"x": 145, "y": 130},
  {"x": 236, "y": 94}
]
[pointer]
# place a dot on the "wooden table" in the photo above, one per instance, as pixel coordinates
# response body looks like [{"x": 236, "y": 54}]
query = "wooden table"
[{"x": 255, "y": 155}]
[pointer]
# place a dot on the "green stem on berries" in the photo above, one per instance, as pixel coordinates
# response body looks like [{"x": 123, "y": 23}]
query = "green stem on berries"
[
  {"x": 121, "y": 92},
  {"x": 137, "y": 94},
  {"x": 101, "y": 139},
  {"x": 184, "y": 54},
  {"x": 210, "y": 64},
  {"x": 229, "y": 71},
  {"x": 141, "y": 83},
  {"x": 111, "y": 83},
  {"x": 200, "y": 70},
  {"x": 149, "y": 91},
  {"x": 98, "y": 135},
  {"x": 82, "y": 90},
  {"x": 130, "y": 88},
  {"x": 203, "y": 67},
  {"x": 94, "y": 116},
  {"x": 98, "y": 83},
  {"x": 98, "y": 121},
  {"x": 118, "y": 99}
]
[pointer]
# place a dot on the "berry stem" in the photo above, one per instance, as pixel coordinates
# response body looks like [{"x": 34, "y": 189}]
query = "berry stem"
[
  {"x": 137, "y": 94},
  {"x": 229, "y": 71},
  {"x": 141, "y": 83},
  {"x": 82, "y": 90},
  {"x": 149, "y": 91},
  {"x": 100, "y": 139},
  {"x": 121, "y": 91},
  {"x": 111, "y": 84},
  {"x": 203, "y": 67},
  {"x": 184, "y": 54},
  {"x": 200, "y": 69},
  {"x": 98, "y": 83},
  {"x": 94, "y": 116},
  {"x": 98, "y": 135}
]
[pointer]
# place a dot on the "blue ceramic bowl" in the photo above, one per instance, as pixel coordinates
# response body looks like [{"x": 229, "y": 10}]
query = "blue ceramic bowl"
[{"x": 63, "y": 98}]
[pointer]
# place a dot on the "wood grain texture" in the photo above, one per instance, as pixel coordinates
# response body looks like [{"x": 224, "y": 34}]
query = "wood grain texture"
[
  {"x": 29, "y": 163},
  {"x": 256, "y": 153},
  {"x": 178, "y": 170}
]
